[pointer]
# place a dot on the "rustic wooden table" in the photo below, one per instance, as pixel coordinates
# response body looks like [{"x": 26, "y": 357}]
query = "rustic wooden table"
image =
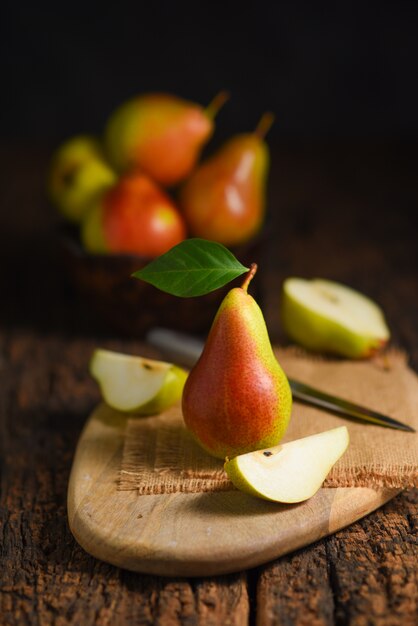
[{"x": 344, "y": 211}]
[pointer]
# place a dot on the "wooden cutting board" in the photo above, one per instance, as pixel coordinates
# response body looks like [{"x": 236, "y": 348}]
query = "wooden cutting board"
[{"x": 191, "y": 534}]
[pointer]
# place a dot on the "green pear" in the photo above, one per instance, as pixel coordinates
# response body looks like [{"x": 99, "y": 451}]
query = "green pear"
[
  {"x": 237, "y": 397},
  {"x": 291, "y": 472},
  {"x": 78, "y": 174},
  {"x": 323, "y": 315},
  {"x": 92, "y": 231},
  {"x": 137, "y": 385}
]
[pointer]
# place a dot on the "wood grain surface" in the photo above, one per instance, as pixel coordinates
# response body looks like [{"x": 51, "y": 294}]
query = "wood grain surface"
[
  {"x": 344, "y": 211},
  {"x": 190, "y": 534}
]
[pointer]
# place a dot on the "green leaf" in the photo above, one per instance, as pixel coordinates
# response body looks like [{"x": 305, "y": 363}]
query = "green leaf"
[{"x": 192, "y": 268}]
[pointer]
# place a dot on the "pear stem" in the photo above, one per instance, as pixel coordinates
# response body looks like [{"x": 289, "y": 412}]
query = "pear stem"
[
  {"x": 264, "y": 125},
  {"x": 217, "y": 103},
  {"x": 249, "y": 276}
]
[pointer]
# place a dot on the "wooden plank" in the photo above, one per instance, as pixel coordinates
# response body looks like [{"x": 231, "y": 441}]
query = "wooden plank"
[
  {"x": 296, "y": 590},
  {"x": 46, "y": 578},
  {"x": 366, "y": 574}
]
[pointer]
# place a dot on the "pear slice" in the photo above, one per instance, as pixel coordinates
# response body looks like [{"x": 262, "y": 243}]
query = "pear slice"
[
  {"x": 291, "y": 472},
  {"x": 326, "y": 316},
  {"x": 135, "y": 384}
]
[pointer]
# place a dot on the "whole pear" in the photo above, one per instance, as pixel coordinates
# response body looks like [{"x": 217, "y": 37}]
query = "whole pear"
[
  {"x": 160, "y": 134},
  {"x": 135, "y": 216},
  {"x": 237, "y": 397},
  {"x": 78, "y": 174},
  {"x": 224, "y": 199}
]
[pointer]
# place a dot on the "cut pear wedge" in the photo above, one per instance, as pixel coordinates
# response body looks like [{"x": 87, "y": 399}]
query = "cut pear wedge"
[
  {"x": 135, "y": 384},
  {"x": 291, "y": 472},
  {"x": 326, "y": 316}
]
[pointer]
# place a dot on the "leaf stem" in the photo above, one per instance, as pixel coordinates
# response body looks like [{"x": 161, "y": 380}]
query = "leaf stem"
[{"x": 249, "y": 276}]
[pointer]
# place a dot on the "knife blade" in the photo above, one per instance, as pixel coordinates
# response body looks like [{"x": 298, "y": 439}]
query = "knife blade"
[{"x": 183, "y": 348}]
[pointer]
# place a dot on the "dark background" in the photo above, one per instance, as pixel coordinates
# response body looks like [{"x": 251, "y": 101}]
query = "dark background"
[
  {"x": 340, "y": 69},
  {"x": 341, "y": 78}
]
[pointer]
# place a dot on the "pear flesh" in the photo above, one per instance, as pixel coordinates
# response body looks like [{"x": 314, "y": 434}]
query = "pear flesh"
[
  {"x": 291, "y": 472},
  {"x": 237, "y": 397},
  {"x": 326, "y": 316},
  {"x": 134, "y": 384}
]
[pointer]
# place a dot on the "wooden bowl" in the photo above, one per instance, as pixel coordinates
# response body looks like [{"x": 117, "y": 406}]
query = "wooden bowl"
[{"x": 131, "y": 306}]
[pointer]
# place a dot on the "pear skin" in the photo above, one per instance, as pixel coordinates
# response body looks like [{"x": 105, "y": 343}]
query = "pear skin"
[
  {"x": 237, "y": 397},
  {"x": 170, "y": 393},
  {"x": 224, "y": 199}
]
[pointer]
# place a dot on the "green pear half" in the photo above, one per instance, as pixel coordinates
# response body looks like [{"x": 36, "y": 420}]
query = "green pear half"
[
  {"x": 290, "y": 472},
  {"x": 137, "y": 385},
  {"x": 323, "y": 315}
]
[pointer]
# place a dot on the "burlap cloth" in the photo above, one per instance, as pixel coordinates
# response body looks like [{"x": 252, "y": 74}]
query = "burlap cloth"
[{"x": 160, "y": 456}]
